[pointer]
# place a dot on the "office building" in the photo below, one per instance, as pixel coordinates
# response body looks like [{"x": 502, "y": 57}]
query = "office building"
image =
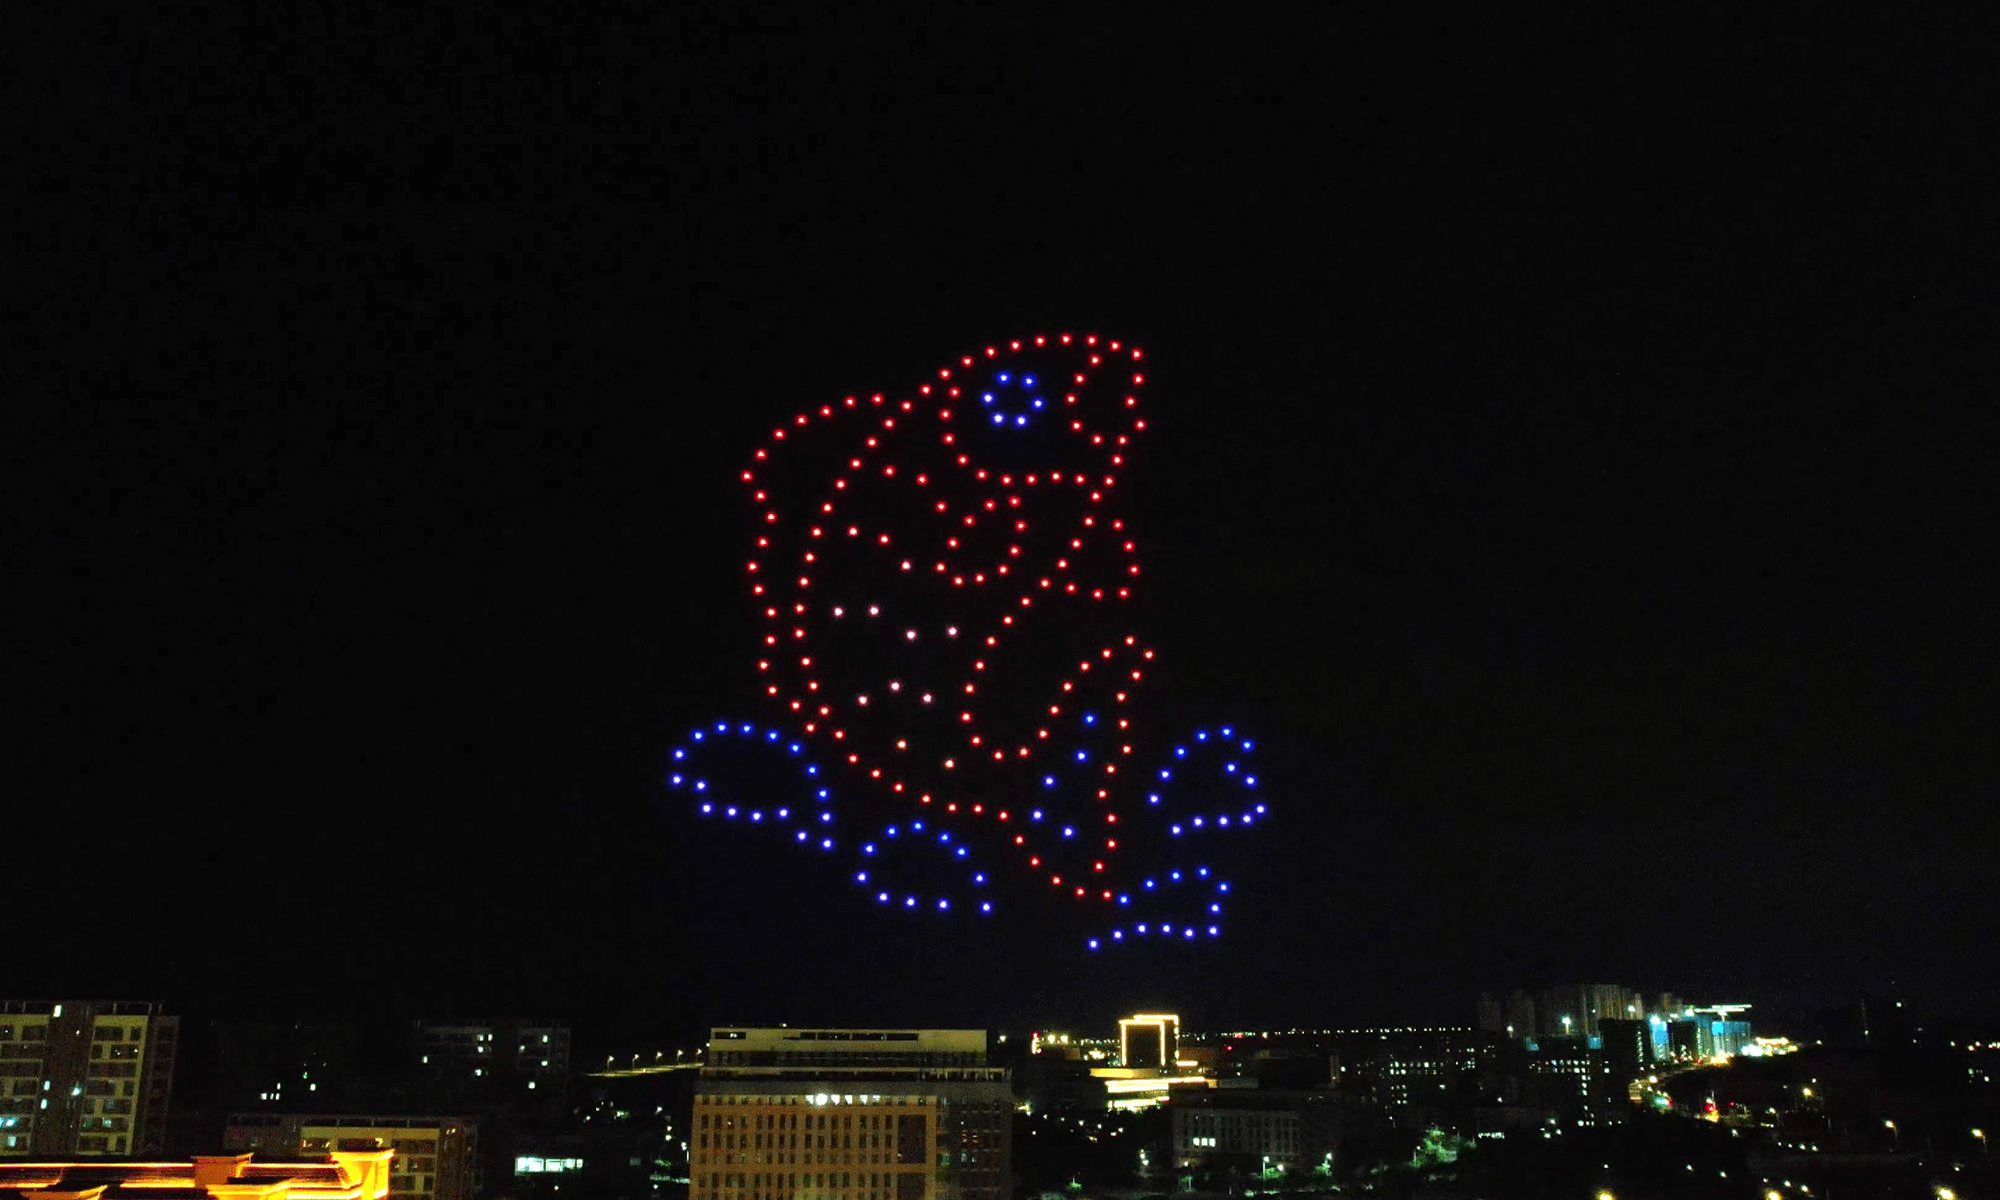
[
  {"x": 339, "y": 1176},
  {"x": 1251, "y": 1130},
  {"x": 81, "y": 1078},
  {"x": 436, "y": 1157},
  {"x": 850, "y": 1114},
  {"x": 1149, "y": 1040}
]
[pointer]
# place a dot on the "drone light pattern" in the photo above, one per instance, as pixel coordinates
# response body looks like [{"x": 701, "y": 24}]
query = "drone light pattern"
[{"x": 943, "y": 583}]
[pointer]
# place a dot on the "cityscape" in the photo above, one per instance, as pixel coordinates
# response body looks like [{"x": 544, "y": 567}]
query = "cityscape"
[
  {"x": 1592, "y": 1090},
  {"x": 751, "y": 600}
]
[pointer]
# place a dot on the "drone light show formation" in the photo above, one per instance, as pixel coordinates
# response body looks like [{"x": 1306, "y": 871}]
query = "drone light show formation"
[{"x": 943, "y": 583}]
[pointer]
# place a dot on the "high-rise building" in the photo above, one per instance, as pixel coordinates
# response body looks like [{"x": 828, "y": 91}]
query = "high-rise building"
[
  {"x": 850, "y": 1114},
  {"x": 1628, "y": 1046},
  {"x": 1149, "y": 1040},
  {"x": 1510, "y": 1016},
  {"x": 1720, "y": 1030},
  {"x": 436, "y": 1158},
  {"x": 1578, "y": 1084},
  {"x": 1575, "y": 1009},
  {"x": 84, "y": 1077}
]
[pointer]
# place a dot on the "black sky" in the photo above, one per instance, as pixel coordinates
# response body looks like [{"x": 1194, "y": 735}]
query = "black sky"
[{"x": 1569, "y": 455}]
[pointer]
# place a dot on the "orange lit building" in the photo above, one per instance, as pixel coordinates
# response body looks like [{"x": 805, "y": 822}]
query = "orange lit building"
[
  {"x": 851, "y": 1114},
  {"x": 436, "y": 1157},
  {"x": 340, "y": 1176}
]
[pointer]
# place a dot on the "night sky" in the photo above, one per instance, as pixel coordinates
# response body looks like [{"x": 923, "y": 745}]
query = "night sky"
[{"x": 1569, "y": 456}]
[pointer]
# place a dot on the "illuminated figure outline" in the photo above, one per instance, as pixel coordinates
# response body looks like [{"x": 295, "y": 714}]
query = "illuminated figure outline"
[{"x": 930, "y": 561}]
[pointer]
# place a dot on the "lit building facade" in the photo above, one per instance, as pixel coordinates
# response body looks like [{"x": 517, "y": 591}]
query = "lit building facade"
[
  {"x": 1424, "y": 1068},
  {"x": 1253, "y": 1130},
  {"x": 1578, "y": 1086},
  {"x": 1149, "y": 1040},
  {"x": 436, "y": 1158},
  {"x": 850, "y": 1114},
  {"x": 342, "y": 1176},
  {"x": 1627, "y": 1045},
  {"x": 82, "y": 1078},
  {"x": 1150, "y": 1067},
  {"x": 534, "y": 1053}
]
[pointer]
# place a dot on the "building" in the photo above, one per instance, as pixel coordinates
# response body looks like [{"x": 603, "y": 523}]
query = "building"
[
  {"x": 1575, "y": 1010},
  {"x": 436, "y": 1157},
  {"x": 1150, "y": 1067},
  {"x": 84, "y": 1078},
  {"x": 1411, "y": 1071},
  {"x": 283, "y": 1066},
  {"x": 1512, "y": 1015},
  {"x": 1627, "y": 1044},
  {"x": 1049, "y": 1084},
  {"x": 850, "y": 1114},
  {"x": 340, "y": 1176},
  {"x": 1250, "y": 1130},
  {"x": 1720, "y": 1031},
  {"x": 1575, "y": 1083},
  {"x": 532, "y": 1054},
  {"x": 1149, "y": 1040},
  {"x": 1422, "y": 1068}
]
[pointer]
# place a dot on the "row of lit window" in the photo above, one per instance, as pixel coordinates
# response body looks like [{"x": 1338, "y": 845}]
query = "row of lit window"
[
  {"x": 782, "y": 1157},
  {"x": 794, "y": 1179},
  {"x": 795, "y": 1117},
  {"x": 790, "y": 1141}
]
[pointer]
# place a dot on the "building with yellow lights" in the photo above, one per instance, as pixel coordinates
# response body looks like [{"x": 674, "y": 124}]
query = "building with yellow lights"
[
  {"x": 84, "y": 1078},
  {"x": 342, "y": 1176},
  {"x": 1149, "y": 1040},
  {"x": 850, "y": 1114},
  {"x": 436, "y": 1157},
  {"x": 1150, "y": 1066}
]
